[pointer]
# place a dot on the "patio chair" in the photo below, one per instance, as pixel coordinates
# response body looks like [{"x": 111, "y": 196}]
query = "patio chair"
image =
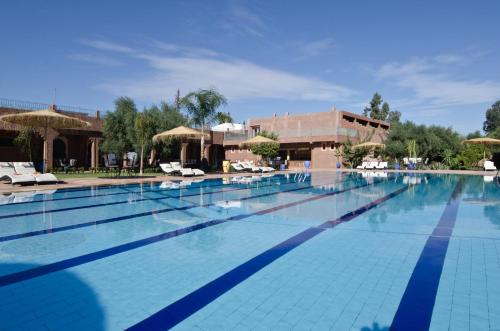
[
  {"x": 489, "y": 165},
  {"x": 132, "y": 162},
  {"x": 111, "y": 163},
  {"x": 371, "y": 165},
  {"x": 8, "y": 173},
  {"x": 27, "y": 168},
  {"x": 382, "y": 165}
]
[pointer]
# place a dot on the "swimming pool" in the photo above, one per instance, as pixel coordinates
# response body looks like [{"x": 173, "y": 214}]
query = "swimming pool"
[{"x": 330, "y": 250}]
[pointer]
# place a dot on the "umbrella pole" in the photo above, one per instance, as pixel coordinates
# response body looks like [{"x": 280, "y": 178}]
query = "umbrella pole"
[{"x": 45, "y": 151}]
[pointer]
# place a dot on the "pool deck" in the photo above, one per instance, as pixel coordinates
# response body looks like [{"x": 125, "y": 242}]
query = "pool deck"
[{"x": 6, "y": 189}]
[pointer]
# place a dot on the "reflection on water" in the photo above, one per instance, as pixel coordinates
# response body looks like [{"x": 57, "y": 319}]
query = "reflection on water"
[{"x": 485, "y": 192}]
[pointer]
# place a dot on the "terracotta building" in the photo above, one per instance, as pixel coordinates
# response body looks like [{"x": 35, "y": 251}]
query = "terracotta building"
[
  {"x": 315, "y": 137},
  {"x": 81, "y": 144}
]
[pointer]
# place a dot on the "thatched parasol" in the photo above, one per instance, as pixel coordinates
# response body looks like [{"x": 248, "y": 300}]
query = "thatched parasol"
[
  {"x": 178, "y": 132},
  {"x": 45, "y": 119},
  {"x": 257, "y": 140},
  {"x": 482, "y": 141},
  {"x": 369, "y": 144}
]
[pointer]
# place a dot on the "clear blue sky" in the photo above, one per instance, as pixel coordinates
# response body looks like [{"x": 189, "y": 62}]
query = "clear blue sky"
[{"x": 437, "y": 62}]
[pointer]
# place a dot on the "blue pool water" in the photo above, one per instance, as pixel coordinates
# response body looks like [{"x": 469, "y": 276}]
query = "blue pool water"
[{"x": 328, "y": 251}]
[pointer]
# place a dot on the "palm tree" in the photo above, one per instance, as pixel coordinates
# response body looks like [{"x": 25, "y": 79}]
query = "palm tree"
[{"x": 202, "y": 109}]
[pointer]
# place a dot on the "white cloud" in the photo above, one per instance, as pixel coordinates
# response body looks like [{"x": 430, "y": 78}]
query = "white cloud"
[
  {"x": 241, "y": 20},
  {"x": 317, "y": 47},
  {"x": 96, "y": 59},
  {"x": 106, "y": 46},
  {"x": 431, "y": 85},
  {"x": 187, "y": 69}
]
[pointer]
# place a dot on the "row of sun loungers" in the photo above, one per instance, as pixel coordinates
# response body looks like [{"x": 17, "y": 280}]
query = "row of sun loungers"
[
  {"x": 373, "y": 165},
  {"x": 249, "y": 166},
  {"x": 24, "y": 173},
  {"x": 175, "y": 168}
]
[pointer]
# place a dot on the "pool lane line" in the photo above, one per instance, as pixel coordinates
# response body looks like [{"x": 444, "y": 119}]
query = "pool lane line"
[
  {"x": 38, "y": 212},
  {"x": 90, "y": 257},
  {"x": 415, "y": 308},
  {"x": 183, "y": 308},
  {"x": 121, "y": 187},
  {"x": 142, "y": 214}
]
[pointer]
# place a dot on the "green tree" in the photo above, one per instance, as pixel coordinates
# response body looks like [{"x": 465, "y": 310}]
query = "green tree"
[
  {"x": 222, "y": 117},
  {"x": 431, "y": 142},
  {"x": 170, "y": 117},
  {"x": 394, "y": 117},
  {"x": 380, "y": 110},
  {"x": 475, "y": 134},
  {"x": 119, "y": 127},
  {"x": 373, "y": 111},
  {"x": 492, "y": 118},
  {"x": 202, "y": 108},
  {"x": 24, "y": 141},
  {"x": 266, "y": 150},
  {"x": 147, "y": 124}
]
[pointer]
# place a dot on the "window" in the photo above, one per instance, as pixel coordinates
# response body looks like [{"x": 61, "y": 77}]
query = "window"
[
  {"x": 332, "y": 146},
  {"x": 363, "y": 122},
  {"x": 232, "y": 149},
  {"x": 323, "y": 147},
  {"x": 256, "y": 130},
  {"x": 348, "y": 118}
]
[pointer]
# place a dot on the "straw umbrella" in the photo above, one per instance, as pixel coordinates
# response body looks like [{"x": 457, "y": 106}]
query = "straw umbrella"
[
  {"x": 482, "y": 141},
  {"x": 257, "y": 140},
  {"x": 369, "y": 144},
  {"x": 180, "y": 132},
  {"x": 45, "y": 119}
]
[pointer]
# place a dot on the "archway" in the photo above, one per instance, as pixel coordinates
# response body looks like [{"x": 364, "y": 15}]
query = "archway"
[{"x": 59, "y": 149}]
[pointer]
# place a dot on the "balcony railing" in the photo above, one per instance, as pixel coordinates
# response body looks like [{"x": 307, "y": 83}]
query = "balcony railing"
[
  {"x": 30, "y": 106},
  {"x": 295, "y": 133}
]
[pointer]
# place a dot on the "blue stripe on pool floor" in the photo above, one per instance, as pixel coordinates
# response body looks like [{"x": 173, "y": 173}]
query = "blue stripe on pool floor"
[
  {"x": 178, "y": 311},
  {"x": 416, "y": 306},
  {"x": 82, "y": 259},
  {"x": 146, "y": 213}
]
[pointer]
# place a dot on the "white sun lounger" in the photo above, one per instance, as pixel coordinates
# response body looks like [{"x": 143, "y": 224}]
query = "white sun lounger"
[
  {"x": 489, "y": 165},
  {"x": 9, "y": 173},
  {"x": 167, "y": 168},
  {"x": 185, "y": 172},
  {"x": 27, "y": 168},
  {"x": 371, "y": 165},
  {"x": 362, "y": 166},
  {"x": 250, "y": 166},
  {"x": 266, "y": 169},
  {"x": 382, "y": 165},
  {"x": 198, "y": 172},
  {"x": 238, "y": 167}
]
